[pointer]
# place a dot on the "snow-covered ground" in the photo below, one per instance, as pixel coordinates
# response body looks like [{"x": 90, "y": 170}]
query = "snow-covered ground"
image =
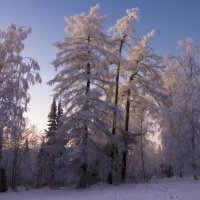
[{"x": 163, "y": 189}]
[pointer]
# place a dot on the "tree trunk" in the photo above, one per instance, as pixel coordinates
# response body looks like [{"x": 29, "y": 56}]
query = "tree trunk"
[
  {"x": 3, "y": 181},
  {"x": 193, "y": 155},
  {"x": 180, "y": 172},
  {"x": 14, "y": 170},
  {"x": 84, "y": 179},
  {"x": 1, "y": 142},
  {"x": 126, "y": 129},
  {"x": 124, "y": 154},
  {"x": 116, "y": 100},
  {"x": 111, "y": 177},
  {"x": 142, "y": 158},
  {"x": 112, "y": 174}
]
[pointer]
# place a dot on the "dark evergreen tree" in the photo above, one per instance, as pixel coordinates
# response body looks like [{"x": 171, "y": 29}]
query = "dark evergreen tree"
[
  {"x": 59, "y": 145},
  {"x": 60, "y": 140},
  {"x": 46, "y": 156},
  {"x": 49, "y": 147},
  {"x": 52, "y": 123},
  {"x": 59, "y": 115}
]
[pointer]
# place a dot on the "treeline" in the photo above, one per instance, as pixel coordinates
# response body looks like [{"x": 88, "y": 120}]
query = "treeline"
[{"x": 112, "y": 93}]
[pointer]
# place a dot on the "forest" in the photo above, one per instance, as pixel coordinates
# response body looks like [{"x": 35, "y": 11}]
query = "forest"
[{"x": 120, "y": 113}]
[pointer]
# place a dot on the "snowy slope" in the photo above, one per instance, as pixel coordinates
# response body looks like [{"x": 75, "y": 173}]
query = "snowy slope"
[{"x": 176, "y": 189}]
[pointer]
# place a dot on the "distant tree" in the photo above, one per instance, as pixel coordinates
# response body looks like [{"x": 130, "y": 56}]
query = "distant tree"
[
  {"x": 42, "y": 164},
  {"x": 180, "y": 122},
  {"x": 26, "y": 175}
]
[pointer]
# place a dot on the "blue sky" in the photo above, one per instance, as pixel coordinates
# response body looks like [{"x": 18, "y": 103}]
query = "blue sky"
[{"x": 172, "y": 20}]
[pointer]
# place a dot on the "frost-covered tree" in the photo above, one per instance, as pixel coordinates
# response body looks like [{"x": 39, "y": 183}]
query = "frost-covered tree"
[
  {"x": 80, "y": 82},
  {"x": 180, "y": 125},
  {"x": 17, "y": 73},
  {"x": 143, "y": 119},
  {"x": 122, "y": 35},
  {"x": 143, "y": 82}
]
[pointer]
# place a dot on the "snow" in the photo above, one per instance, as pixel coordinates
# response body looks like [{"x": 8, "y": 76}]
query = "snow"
[{"x": 162, "y": 189}]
